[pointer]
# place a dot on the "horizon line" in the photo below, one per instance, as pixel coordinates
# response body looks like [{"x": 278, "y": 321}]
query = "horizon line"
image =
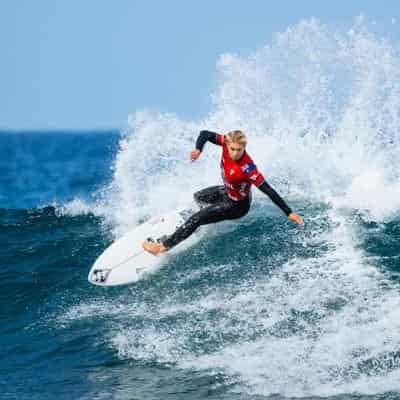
[{"x": 58, "y": 130}]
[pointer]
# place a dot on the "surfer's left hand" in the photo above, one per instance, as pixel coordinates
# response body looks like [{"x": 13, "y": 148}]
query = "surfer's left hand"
[{"x": 296, "y": 218}]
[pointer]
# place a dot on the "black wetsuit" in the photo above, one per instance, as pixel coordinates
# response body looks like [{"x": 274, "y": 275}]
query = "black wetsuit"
[{"x": 216, "y": 203}]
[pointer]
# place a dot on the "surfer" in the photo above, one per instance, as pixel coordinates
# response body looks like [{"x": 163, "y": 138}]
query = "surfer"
[{"x": 229, "y": 201}]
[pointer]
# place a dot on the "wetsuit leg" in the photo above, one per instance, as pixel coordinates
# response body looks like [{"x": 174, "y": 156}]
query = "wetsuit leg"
[
  {"x": 227, "y": 209},
  {"x": 210, "y": 195}
]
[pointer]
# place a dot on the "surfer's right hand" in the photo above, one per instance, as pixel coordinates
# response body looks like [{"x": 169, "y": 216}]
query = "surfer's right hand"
[{"x": 195, "y": 154}]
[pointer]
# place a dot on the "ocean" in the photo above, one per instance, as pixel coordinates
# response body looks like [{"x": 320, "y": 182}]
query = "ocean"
[{"x": 256, "y": 308}]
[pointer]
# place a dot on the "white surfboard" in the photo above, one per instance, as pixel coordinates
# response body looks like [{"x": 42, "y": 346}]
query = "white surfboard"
[{"x": 125, "y": 261}]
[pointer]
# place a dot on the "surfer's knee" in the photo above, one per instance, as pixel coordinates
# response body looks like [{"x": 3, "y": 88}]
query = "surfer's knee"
[{"x": 197, "y": 197}]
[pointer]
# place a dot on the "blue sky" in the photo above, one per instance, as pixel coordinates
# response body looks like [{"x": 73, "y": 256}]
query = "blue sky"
[{"x": 86, "y": 64}]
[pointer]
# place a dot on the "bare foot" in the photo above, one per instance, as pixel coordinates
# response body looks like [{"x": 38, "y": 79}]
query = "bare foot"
[{"x": 154, "y": 247}]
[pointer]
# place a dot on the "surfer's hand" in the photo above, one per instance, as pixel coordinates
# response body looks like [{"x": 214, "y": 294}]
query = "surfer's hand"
[
  {"x": 195, "y": 154},
  {"x": 296, "y": 218}
]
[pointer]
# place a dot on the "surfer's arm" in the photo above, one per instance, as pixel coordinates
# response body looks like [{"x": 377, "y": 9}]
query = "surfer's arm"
[
  {"x": 208, "y": 136},
  {"x": 274, "y": 196}
]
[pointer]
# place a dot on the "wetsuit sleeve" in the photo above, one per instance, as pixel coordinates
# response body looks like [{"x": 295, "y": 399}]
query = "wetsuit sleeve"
[
  {"x": 274, "y": 196},
  {"x": 208, "y": 136}
]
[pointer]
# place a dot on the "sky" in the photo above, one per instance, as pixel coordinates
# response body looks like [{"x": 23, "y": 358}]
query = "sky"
[{"x": 87, "y": 64}]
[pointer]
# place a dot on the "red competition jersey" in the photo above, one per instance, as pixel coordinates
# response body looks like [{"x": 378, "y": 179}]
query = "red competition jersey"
[{"x": 238, "y": 176}]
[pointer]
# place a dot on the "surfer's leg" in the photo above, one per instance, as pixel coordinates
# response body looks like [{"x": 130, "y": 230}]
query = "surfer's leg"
[
  {"x": 207, "y": 215},
  {"x": 214, "y": 195},
  {"x": 209, "y": 195}
]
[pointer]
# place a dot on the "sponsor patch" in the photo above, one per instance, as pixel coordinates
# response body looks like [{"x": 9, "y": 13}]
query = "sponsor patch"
[
  {"x": 254, "y": 177},
  {"x": 246, "y": 168}
]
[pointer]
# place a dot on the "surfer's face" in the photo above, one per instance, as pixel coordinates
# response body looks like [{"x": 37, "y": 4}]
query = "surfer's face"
[{"x": 235, "y": 150}]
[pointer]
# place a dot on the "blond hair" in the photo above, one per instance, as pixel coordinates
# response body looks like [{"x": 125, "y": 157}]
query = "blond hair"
[{"x": 236, "y": 137}]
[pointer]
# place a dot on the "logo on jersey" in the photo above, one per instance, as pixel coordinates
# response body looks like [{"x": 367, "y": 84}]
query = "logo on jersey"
[
  {"x": 246, "y": 168},
  {"x": 254, "y": 177}
]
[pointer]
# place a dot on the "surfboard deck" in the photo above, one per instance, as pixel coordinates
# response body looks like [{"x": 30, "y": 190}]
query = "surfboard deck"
[{"x": 125, "y": 261}]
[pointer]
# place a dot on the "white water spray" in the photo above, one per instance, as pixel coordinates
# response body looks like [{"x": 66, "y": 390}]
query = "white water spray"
[{"x": 321, "y": 109}]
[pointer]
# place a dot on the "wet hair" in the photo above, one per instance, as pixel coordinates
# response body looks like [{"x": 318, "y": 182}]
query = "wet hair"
[{"x": 237, "y": 137}]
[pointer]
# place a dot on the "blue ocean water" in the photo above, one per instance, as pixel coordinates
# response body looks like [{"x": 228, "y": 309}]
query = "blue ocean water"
[
  {"x": 175, "y": 334},
  {"x": 256, "y": 308},
  {"x": 41, "y": 167}
]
